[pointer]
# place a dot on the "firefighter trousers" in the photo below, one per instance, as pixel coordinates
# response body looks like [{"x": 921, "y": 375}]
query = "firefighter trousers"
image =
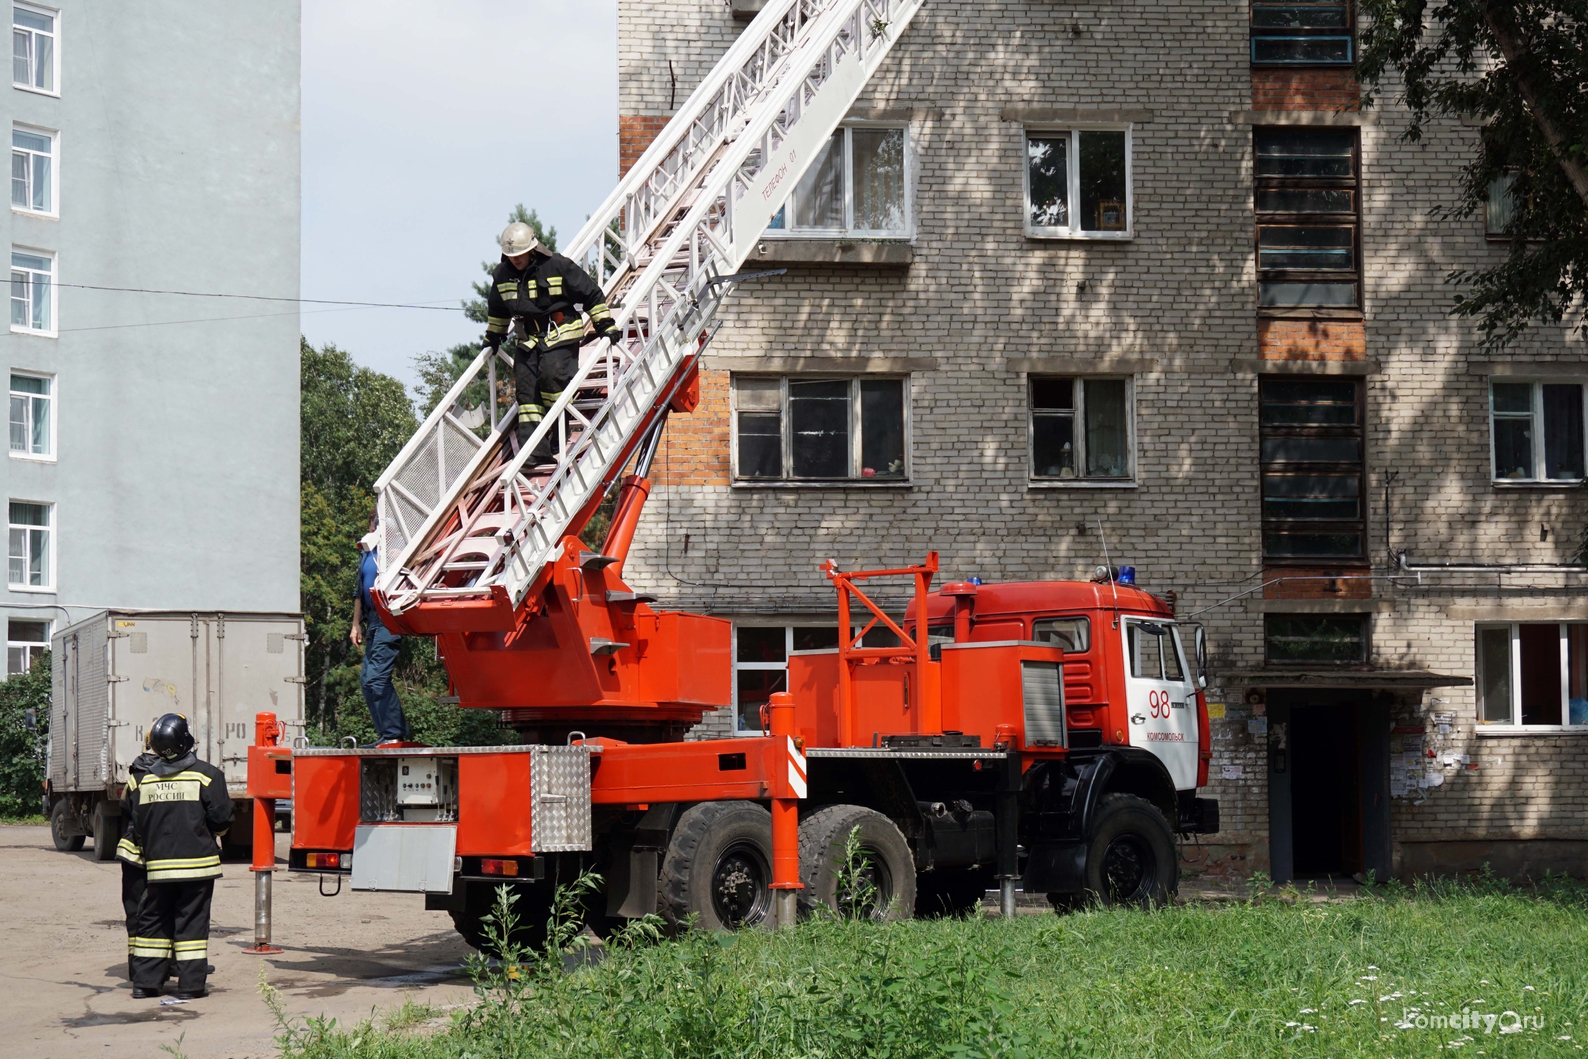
[
  {"x": 173, "y": 930},
  {"x": 133, "y": 881},
  {"x": 540, "y": 376}
]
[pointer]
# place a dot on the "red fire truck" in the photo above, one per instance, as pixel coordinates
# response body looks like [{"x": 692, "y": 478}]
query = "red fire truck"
[
  {"x": 1051, "y": 734},
  {"x": 1048, "y": 732}
]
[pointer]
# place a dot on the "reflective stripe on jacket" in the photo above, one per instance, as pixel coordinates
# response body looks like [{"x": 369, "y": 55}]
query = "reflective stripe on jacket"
[
  {"x": 179, "y": 810},
  {"x": 548, "y": 294}
]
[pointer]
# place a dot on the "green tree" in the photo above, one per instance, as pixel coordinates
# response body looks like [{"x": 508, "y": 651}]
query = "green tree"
[
  {"x": 1520, "y": 67},
  {"x": 353, "y": 421},
  {"x": 24, "y": 734}
]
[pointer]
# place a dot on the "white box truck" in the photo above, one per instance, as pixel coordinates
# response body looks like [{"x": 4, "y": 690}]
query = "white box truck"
[{"x": 114, "y": 673}]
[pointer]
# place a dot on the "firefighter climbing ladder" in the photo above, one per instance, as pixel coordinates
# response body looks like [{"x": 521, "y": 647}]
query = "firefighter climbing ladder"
[{"x": 461, "y": 517}]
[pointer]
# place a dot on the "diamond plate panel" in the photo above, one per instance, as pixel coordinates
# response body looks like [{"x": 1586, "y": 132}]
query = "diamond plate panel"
[{"x": 559, "y": 780}]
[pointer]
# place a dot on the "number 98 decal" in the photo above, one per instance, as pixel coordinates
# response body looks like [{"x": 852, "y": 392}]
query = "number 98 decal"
[{"x": 1158, "y": 703}]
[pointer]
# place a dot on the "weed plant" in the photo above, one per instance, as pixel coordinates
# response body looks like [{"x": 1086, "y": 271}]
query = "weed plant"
[{"x": 1401, "y": 971}]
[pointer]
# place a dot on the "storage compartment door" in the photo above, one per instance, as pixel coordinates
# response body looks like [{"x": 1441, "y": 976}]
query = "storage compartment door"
[{"x": 411, "y": 858}]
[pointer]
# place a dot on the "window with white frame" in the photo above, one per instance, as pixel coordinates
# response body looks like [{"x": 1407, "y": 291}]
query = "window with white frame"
[
  {"x": 858, "y": 185},
  {"x": 32, "y": 426},
  {"x": 30, "y": 545},
  {"x": 32, "y": 291},
  {"x": 25, "y": 641},
  {"x": 32, "y": 170},
  {"x": 791, "y": 428},
  {"x": 33, "y": 52},
  {"x": 760, "y": 664},
  {"x": 1080, "y": 428},
  {"x": 1533, "y": 674},
  {"x": 1078, "y": 183},
  {"x": 1538, "y": 431}
]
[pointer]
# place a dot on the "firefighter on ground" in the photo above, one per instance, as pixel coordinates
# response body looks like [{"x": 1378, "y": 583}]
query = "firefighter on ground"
[
  {"x": 127, "y": 851},
  {"x": 544, "y": 292},
  {"x": 179, "y": 810}
]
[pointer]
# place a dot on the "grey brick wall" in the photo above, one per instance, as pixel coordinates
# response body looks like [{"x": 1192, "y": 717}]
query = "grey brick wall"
[{"x": 1175, "y": 307}]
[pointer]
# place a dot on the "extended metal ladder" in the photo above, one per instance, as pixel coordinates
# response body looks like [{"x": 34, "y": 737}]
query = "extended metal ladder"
[{"x": 464, "y": 519}]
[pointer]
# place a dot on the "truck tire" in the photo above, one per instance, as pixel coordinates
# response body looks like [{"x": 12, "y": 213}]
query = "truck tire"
[
  {"x": 890, "y": 867},
  {"x": 950, "y": 891},
  {"x": 107, "y": 832},
  {"x": 1131, "y": 859},
  {"x": 532, "y": 908},
  {"x": 60, "y": 828},
  {"x": 718, "y": 868}
]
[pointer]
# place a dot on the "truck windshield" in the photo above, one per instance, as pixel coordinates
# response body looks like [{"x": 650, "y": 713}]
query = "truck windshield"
[
  {"x": 1152, "y": 651},
  {"x": 1069, "y": 634}
]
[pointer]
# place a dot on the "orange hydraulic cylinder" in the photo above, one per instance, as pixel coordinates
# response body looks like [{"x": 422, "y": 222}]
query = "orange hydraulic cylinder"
[
  {"x": 267, "y": 733},
  {"x": 785, "y": 817}
]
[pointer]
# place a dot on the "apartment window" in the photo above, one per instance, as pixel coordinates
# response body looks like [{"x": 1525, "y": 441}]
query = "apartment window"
[
  {"x": 25, "y": 642},
  {"x": 1078, "y": 183},
  {"x": 1080, "y": 428},
  {"x": 1533, "y": 673},
  {"x": 31, "y": 423},
  {"x": 30, "y": 545},
  {"x": 1312, "y": 469},
  {"x": 820, "y": 429},
  {"x": 1302, "y": 33},
  {"x": 858, "y": 185},
  {"x": 32, "y": 170},
  {"x": 1500, "y": 208},
  {"x": 33, "y": 51},
  {"x": 32, "y": 291},
  {"x": 1313, "y": 638},
  {"x": 1307, "y": 202},
  {"x": 760, "y": 664},
  {"x": 1538, "y": 431}
]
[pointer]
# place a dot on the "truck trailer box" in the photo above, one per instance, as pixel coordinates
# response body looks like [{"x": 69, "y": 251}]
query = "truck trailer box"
[{"x": 112, "y": 674}]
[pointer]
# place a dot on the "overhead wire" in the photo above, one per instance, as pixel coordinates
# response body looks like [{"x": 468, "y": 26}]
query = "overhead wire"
[{"x": 271, "y": 298}]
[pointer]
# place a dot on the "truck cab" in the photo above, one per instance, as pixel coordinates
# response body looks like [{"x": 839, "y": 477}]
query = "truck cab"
[{"x": 1128, "y": 677}]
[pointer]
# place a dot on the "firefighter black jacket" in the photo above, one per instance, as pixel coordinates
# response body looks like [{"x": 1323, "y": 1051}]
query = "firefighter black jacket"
[
  {"x": 179, "y": 809},
  {"x": 548, "y": 294},
  {"x": 127, "y": 850}
]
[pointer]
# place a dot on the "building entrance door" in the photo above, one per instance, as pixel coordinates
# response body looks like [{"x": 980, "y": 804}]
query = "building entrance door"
[
  {"x": 1328, "y": 772},
  {"x": 1326, "y": 788}
]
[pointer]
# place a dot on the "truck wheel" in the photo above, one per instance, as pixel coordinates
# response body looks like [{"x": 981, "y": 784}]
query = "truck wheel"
[
  {"x": 718, "y": 867},
  {"x": 887, "y": 868},
  {"x": 479, "y": 900},
  {"x": 106, "y": 832},
  {"x": 61, "y": 828},
  {"x": 1131, "y": 857},
  {"x": 950, "y": 891}
]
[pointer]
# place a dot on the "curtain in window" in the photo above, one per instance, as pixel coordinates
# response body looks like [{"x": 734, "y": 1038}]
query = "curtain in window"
[
  {"x": 1107, "y": 447},
  {"x": 879, "y": 179}
]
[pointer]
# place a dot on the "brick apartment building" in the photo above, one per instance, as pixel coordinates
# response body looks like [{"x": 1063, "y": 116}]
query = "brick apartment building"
[{"x": 1142, "y": 276}]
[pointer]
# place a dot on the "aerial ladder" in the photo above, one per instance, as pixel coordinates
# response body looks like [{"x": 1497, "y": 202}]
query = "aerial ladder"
[{"x": 470, "y": 531}]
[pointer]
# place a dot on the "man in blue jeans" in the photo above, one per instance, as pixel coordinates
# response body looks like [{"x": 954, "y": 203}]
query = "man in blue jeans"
[{"x": 380, "y": 651}]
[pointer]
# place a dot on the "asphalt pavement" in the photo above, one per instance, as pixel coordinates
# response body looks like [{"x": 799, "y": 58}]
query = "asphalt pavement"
[{"x": 65, "y": 992}]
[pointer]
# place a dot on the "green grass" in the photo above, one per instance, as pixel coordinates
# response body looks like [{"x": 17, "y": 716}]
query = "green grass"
[
  {"x": 1349, "y": 978},
  {"x": 32, "y": 820}
]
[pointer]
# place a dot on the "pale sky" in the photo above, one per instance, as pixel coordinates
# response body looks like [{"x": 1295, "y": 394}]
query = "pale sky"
[{"x": 423, "y": 125}]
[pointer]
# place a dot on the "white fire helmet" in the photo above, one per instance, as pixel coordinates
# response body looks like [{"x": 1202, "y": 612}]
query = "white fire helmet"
[{"x": 518, "y": 238}]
